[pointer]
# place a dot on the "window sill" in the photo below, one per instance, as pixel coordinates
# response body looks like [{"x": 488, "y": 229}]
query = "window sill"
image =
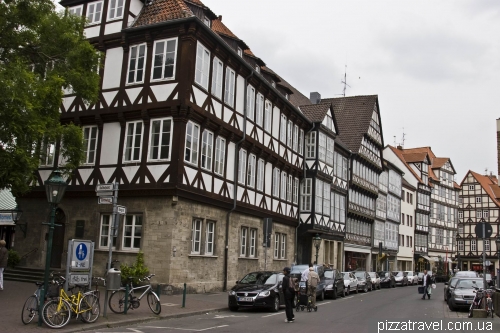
[
  {"x": 248, "y": 258},
  {"x": 277, "y": 259},
  {"x": 202, "y": 256}
]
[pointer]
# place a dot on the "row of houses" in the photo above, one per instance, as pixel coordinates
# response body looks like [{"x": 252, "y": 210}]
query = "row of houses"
[{"x": 207, "y": 143}]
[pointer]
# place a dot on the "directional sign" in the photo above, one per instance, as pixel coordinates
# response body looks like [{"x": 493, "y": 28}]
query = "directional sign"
[
  {"x": 122, "y": 210},
  {"x": 104, "y": 187},
  {"x": 105, "y": 200},
  {"x": 105, "y": 194}
]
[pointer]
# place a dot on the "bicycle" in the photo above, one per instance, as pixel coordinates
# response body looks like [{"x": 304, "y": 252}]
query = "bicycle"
[
  {"x": 490, "y": 310},
  {"x": 57, "y": 312},
  {"x": 477, "y": 303},
  {"x": 117, "y": 299},
  {"x": 30, "y": 307}
]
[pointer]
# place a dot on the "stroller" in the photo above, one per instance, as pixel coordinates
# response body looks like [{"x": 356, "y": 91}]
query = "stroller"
[{"x": 303, "y": 299}]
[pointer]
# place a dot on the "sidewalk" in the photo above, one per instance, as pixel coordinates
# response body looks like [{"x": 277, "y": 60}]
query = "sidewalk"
[{"x": 14, "y": 295}]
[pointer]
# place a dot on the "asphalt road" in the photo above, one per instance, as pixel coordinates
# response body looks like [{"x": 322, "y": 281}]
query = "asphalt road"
[{"x": 355, "y": 313}]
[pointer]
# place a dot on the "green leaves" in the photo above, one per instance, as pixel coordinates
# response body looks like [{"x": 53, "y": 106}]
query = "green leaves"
[{"x": 42, "y": 52}]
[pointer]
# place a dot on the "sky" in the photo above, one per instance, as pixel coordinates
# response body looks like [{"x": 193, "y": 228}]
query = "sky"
[{"x": 435, "y": 65}]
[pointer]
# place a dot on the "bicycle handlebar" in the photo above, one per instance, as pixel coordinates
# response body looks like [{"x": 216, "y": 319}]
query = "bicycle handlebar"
[{"x": 147, "y": 277}]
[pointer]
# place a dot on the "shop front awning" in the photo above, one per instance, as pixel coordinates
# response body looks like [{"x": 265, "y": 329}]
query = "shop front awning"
[{"x": 426, "y": 258}]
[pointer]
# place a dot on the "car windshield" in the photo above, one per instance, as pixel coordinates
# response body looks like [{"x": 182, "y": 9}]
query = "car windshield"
[
  {"x": 420, "y": 275},
  {"x": 346, "y": 276},
  {"x": 397, "y": 273},
  {"x": 260, "y": 278},
  {"x": 372, "y": 275},
  {"x": 299, "y": 269},
  {"x": 410, "y": 273},
  {"x": 329, "y": 274},
  {"x": 468, "y": 284},
  {"x": 466, "y": 274},
  {"x": 360, "y": 275}
]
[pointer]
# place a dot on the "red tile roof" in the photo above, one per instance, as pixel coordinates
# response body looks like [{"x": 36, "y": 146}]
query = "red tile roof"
[
  {"x": 414, "y": 157},
  {"x": 315, "y": 112},
  {"x": 221, "y": 28},
  {"x": 161, "y": 11},
  {"x": 489, "y": 184},
  {"x": 402, "y": 158}
]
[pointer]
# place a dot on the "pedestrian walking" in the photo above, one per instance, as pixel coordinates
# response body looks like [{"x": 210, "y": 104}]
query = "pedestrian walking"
[
  {"x": 289, "y": 293},
  {"x": 4, "y": 256},
  {"x": 426, "y": 282},
  {"x": 313, "y": 280}
]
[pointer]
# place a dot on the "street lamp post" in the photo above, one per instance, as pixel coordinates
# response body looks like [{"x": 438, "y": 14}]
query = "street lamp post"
[
  {"x": 55, "y": 187},
  {"x": 16, "y": 216},
  {"x": 317, "y": 244},
  {"x": 498, "y": 252}
]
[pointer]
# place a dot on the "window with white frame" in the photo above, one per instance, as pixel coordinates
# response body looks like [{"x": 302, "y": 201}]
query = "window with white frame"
[
  {"x": 248, "y": 242},
  {"x": 192, "y": 143},
  {"x": 326, "y": 199},
  {"x": 210, "y": 238},
  {"x": 196, "y": 236},
  {"x": 243, "y": 241},
  {"x": 77, "y": 10},
  {"x": 217, "y": 74},
  {"x": 242, "y": 166},
  {"x": 295, "y": 137},
  {"x": 289, "y": 134},
  {"x": 276, "y": 182},
  {"x": 306, "y": 195},
  {"x": 229, "y": 87},
  {"x": 89, "y": 143},
  {"x": 473, "y": 245},
  {"x": 301, "y": 138},
  {"x": 47, "y": 151},
  {"x": 319, "y": 196},
  {"x": 239, "y": 51},
  {"x": 460, "y": 214},
  {"x": 311, "y": 145},
  {"x": 478, "y": 199},
  {"x": 295, "y": 198},
  {"x": 165, "y": 53},
  {"x": 220, "y": 155},
  {"x": 132, "y": 232},
  {"x": 94, "y": 12},
  {"x": 259, "y": 109},
  {"x": 471, "y": 187},
  {"x": 460, "y": 245},
  {"x": 276, "y": 245},
  {"x": 160, "y": 139},
  {"x": 486, "y": 214},
  {"x": 207, "y": 145},
  {"x": 283, "y": 129},
  {"x": 202, "y": 66},
  {"x": 115, "y": 10},
  {"x": 283, "y": 185},
  {"x": 283, "y": 246},
  {"x": 479, "y": 214},
  {"x": 260, "y": 174},
  {"x": 250, "y": 102},
  {"x": 133, "y": 141},
  {"x": 289, "y": 187},
  {"x": 252, "y": 243},
  {"x": 252, "y": 160},
  {"x": 322, "y": 147},
  {"x": 268, "y": 115},
  {"x": 136, "y": 64},
  {"x": 329, "y": 151},
  {"x": 106, "y": 232},
  {"x": 207, "y": 21}
]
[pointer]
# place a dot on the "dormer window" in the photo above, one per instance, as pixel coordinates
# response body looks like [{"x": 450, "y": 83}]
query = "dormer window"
[
  {"x": 240, "y": 52},
  {"x": 206, "y": 21},
  {"x": 273, "y": 84},
  {"x": 257, "y": 68},
  {"x": 286, "y": 96}
]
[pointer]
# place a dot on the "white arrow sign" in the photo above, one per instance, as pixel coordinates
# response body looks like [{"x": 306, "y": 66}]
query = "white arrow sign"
[
  {"x": 104, "y": 187},
  {"x": 105, "y": 200},
  {"x": 122, "y": 210}
]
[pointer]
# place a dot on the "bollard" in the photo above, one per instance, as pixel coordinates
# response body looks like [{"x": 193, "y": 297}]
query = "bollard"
[
  {"x": 158, "y": 291},
  {"x": 126, "y": 299},
  {"x": 184, "y": 296}
]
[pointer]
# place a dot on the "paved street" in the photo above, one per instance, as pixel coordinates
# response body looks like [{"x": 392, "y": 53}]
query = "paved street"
[{"x": 355, "y": 313}]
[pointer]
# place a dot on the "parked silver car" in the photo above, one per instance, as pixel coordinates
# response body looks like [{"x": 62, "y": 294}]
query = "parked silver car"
[
  {"x": 375, "y": 280},
  {"x": 412, "y": 277},
  {"x": 350, "y": 283},
  {"x": 463, "y": 294}
]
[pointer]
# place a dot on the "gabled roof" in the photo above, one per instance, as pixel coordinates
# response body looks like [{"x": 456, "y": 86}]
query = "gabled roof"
[
  {"x": 414, "y": 157},
  {"x": 162, "y": 10},
  {"x": 315, "y": 112},
  {"x": 489, "y": 185},
  {"x": 222, "y": 29},
  {"x": 402, "y": 158},
  {"x": 353, "y": 115}
]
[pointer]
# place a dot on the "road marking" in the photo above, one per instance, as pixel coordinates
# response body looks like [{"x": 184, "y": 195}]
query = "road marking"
[
  {"x": 347, "y": 297},
  {"x": 231, "y": 316},
  {"x": 274, "y": 314},
  {"x": 187, "y": 329},
  {"x": 169, "y": 304},
  {"x": 323, "y": 303}
]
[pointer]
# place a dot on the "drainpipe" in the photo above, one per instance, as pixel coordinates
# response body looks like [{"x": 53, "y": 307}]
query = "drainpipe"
[
  {"x": 235, "y": 191},
  {"x": 303, "y": 178}
]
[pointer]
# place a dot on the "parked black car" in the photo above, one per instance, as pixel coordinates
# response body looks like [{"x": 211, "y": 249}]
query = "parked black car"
[
  {"x": 364, "y": 281},
  {"x": 257, "y": 290},
  {"x": 297, "y": 271},
  {"x": 334, "y": 282},
  {"x": 387, "y": 279}
]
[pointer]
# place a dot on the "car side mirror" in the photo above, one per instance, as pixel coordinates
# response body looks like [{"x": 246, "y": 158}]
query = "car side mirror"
[
  {"x": 446, "y": 283},
  {"x": 237, "y": 282}
]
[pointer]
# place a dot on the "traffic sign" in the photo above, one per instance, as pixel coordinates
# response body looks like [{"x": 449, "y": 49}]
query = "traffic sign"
[
  {"x": 104, "y": 187},
  {"x": 105, "y": 194},
  {"x": 487, "y": 263},
  {"x": 105, "y": 200},
  {"x": 79, "y": 279},
  {"x": 81, "y": 254},
  {"x": 122, "y": 210},
  {"x": 479, "y": 230}
]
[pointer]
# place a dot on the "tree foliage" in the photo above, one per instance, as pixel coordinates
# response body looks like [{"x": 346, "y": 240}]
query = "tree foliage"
[{"x": 43, "y": 54}]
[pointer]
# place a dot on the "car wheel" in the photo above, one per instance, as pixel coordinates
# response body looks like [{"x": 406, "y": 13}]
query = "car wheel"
[
  {"x": 334, "y": 295},
  {"x": 276, "y": 304},
  {"x": 371, "y": 287},
  {"x": 450, "y": 306},
  {"x": 322, "y": 295},
  {"x": 379, "y": 286},
  {"x": 357, "y": 290},
  {"x": 366, "y": 288},
  {"x": 343, "y": 292},
  {"x": 233, "y": 308},
  {"x": 348, "y": 291},
  {"x": 394, "y": 285}
]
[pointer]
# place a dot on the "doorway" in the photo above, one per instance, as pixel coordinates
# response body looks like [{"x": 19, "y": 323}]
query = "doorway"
[{"x": 58, "y": 240}]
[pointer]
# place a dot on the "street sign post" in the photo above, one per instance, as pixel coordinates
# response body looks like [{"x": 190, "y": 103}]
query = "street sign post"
[
  {"x": 122, "y": 210},
  {"x": 484, "y": 230},
  {"x": 104, "y": 187},
  {"x": 105, "y": 200}
]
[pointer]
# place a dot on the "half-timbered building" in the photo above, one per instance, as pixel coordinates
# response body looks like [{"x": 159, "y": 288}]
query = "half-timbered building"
[
  {"x": 415, "y": 167},
  {"x": 360, "y": 129},
  {"x": 204, "y": 140},
  {"x": 324, "y": 188},
  {"x": 479, "y": 202}
]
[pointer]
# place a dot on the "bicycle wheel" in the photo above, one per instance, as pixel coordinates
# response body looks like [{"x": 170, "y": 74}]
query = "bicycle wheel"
[
  {"x": 154, "y": 302},
  {"x": 117, "y": 301},
  {"x": 56, "y": 313},
  {"x": 30, "y": 309},
  {"x": 90, "y": 307}
]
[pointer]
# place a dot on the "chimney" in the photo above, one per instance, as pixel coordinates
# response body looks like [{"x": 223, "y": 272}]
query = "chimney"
[
  {"x": 400, "y": 147},
  {"x": 315, "y": 97},
  {"x": 220, "y": 18}
]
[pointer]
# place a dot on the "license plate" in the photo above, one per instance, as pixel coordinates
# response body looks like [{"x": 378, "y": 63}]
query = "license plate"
[
  {"x": 245, "y": 299},
  {"x": 469, "y": 302}
]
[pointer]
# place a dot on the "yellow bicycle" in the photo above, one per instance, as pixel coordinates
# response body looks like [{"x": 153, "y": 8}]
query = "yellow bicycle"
[{"x": 57, "y": 312}]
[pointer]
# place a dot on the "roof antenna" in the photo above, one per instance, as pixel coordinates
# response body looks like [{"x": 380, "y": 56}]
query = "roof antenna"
[
  {"x": 345, "y": 81},
  {"x": 403, "y": 138},
  {"x": 395, "y": 145}
]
